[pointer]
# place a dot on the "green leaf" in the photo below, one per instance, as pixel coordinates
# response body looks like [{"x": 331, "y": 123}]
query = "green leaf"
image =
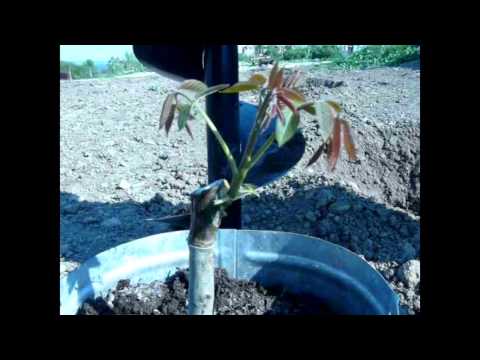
[
  {"x": 240, "y": 87},
  {"x": 248, "y": 189},
  {"x": 308, "y": 107},
  {"x": 335, "y": 106},
  {"x": 284, "y": 132},
  {"x": 258, "y": 79},
  {"x": 211, "y": 90},
  {"x": 193, "y": 85},
  {"x": 183, "y": 115},
  {"x": 325, "y": 116}
]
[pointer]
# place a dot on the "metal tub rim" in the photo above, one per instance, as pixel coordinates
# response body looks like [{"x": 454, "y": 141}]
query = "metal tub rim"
[{"x": 301, "y": 263}]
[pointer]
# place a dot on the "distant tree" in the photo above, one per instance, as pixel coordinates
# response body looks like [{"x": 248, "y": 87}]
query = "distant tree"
[
  {"x": 115, "y": 66},
  {"x": 132, "y": 64},
  {"x": 90, "y": 68},
  {"x": 128, "y": 64},
  {"x": 325, "y": 52},
  {"x": 70, "y": 69}
]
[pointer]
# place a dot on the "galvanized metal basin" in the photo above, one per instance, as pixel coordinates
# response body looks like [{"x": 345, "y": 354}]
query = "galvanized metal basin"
[{"x": 302, "y": 264}]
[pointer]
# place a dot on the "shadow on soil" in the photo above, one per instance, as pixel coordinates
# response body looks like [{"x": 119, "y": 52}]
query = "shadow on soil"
[
  {"x": 413, "y": 65},
  {"x": 358, "y": 223},
  {"x": 88, "y": 228}
]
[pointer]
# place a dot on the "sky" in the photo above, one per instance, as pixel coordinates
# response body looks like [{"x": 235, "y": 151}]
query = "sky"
[{"x": 80, "y": 53}]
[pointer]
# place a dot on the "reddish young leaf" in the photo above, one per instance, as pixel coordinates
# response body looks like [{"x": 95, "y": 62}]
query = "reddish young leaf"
[
  {"x": 316, "y": 155},
  {"x": 295, "y": 79},
  {"x": 168, "y": 110},
  {"x": 278, "y": 80},
  {"x": 334, "y": 149},
  {"x": 292, "y": 79},
  {"x": 272, "y": 76},
  {"x": 169, "y": 120},
  {"x": 168, "y": 124},
  {"x": 348, "y": 141},
  {"x": 287, "y": 102},
  {"x": 281, "y": 116},
  {"x": 275, "y": 112},
  {"x": 293, "y": 95},
  {"x": 286, "y": 81}
]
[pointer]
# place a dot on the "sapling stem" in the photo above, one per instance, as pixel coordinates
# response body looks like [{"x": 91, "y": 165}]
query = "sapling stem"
[
  {"x": 247, "y": 155},
  {"x": 221, "y": 141},
  {"x": 261, "y": 152},
  {"x": 252, "y": 138},
  {"x": 201, "y": 289},
  {"x": 204, "y": 223}
]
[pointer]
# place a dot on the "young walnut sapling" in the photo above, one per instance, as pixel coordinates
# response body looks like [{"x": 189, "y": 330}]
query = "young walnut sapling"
[{"x": 278, "y": 99}]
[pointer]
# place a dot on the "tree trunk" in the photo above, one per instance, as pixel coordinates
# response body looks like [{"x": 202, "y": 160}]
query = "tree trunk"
[{"x": 204, "y": 224}]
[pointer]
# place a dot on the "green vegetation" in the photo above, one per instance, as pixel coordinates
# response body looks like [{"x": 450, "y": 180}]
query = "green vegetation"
[
  {"x": 326, "y": 52},
  {"x": 381, "y": 55},
  {"x": 372, "y": 55},
  {"x": 369, "y": 56},
  {"x": 269, "y": 50},
  {"x": 86, "y": 70},
  {"x": 116, "y": 66},
  {"x": 296, "y": 53},
  {"x": 244, "y": 58}
]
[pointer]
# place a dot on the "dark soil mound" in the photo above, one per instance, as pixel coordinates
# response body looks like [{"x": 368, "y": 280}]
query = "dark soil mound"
[{"x": 232, "y": 297}]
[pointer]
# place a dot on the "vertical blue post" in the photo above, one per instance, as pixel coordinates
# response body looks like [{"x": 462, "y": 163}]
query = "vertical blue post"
[{"x": 221, "y": 67}]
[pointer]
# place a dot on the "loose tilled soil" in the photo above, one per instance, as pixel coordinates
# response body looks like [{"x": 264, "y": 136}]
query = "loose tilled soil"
[
  {"x": 232, "y": 297},
  {"x": 118, "y": 173}
]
